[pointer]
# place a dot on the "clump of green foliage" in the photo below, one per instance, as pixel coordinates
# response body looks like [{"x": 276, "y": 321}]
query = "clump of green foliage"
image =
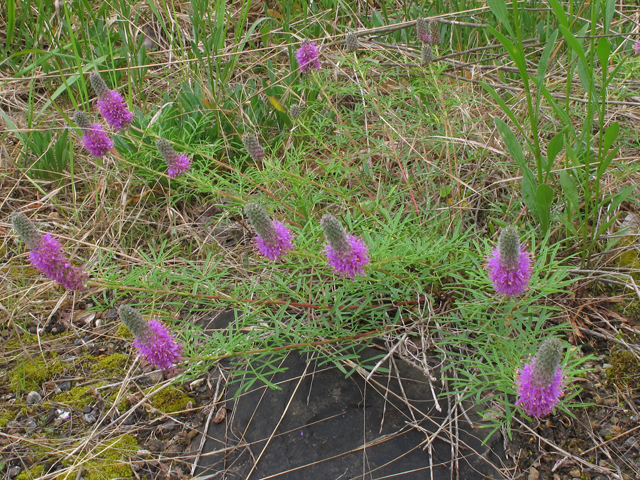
[
  {"x": 624, "y": 370},
  {"x": 6, "y": 417},
  {"x": 30, "y": 375},
  {"x": 169, "y": 400},
  {"x": 111, "y": 364}
]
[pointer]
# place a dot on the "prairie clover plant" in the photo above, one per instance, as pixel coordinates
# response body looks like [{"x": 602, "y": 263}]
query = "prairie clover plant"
[
  {"x": 347, "y": 254},
  {"x": 46, "y": 255},
  {"x": 152, "y": 339},
  {"x": 540, "y": 382},
  {"x": 252, "y": 145},
  {"x": 94, "y": 137},
  {"x": 636, "y": 46},
  {"x": 177, "y": 164},
  {"x": 111, "y": 104},
  {"x": 509, "y": 264},
  {"x": 307, "y": 56},
  {"x": 274, "y": 239}
]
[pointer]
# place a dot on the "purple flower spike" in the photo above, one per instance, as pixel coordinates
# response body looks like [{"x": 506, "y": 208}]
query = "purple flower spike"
[
  {"x": 307, "y": 56},
  {"x": 177, "y": 164},
  {"x": 94, "y": 137},
  {"x": 152, "y": 340},
  {"x": 279, "y": 245},
  {"x": 274, "y": 239},
  {"x": 111, "y": 104},
  {"x": 158, "y": 346},
  {"x": 347, "y": 254},
  {"x": 48, "y": 259},
  {"x": 181, "y": 164},
  {"x": 636, "y": 46},
  {"x": 509, "y": 265},
  {"x": 540, "y": 382}
]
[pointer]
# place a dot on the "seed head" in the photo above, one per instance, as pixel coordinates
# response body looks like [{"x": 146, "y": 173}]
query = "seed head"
[
  {"x": 434, "y": 30},
  {"x": 253, "y": 147},
  {"x": 335, "y": 234},
  {"x": 546, "y": 362},
  {"x": 509, "y": 246},
  {"x": 25, "y": 229},
  {"x": 295, "y": 111},
  {"x": 99, "y": 85},
  {"x": 347, "y": 254},
  {"x": 422, "y": 29},
  {"x": 352, "y": 42},
  {"x": 426, "y": 54}
]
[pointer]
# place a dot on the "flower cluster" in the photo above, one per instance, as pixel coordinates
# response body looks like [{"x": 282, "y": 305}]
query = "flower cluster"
[
  {"x": 540, "y": 382},
  {"x": 274, "y": 239},
  {"x": 94, "y": 137},
  {"x": 307, "y": 56},
  {"x": 111, "y": 104},
  {"x": 347, "y": 254},
  {"x": 46, "y": 255},
  {"x": 177, "y": 164},
  {"x": 152, "y": 340},
  {"x": 509, "y": 264}
]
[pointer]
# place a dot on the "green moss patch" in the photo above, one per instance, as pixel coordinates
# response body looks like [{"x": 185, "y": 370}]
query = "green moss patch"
[
  {"x": 32, "y": 473},
  {"x": 110, "y": 460},
  {"x": 624, "y": 370},
  {"x": 169, "y": 400},
  {"x": 123, "y": 332},
  {"x": 77, "y": 397},
  {"x": 30, "y": 375},
  {"x": 111, "y": 364},
  {"x": 6, "y": 417}
]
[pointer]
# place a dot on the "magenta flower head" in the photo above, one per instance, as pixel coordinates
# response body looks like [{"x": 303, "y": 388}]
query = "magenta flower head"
[
  {"x": 46, "y": 255},
  {"x": 422, "y": 30},
  {"x": 253, "y": 147},
  {"x": 347, "y": 254},
  {"x": 178, "y": 164},
  {"x": 94, "y": 137},
  {"x": 509, "y": 264},
  {"x": 540, "y": 382},
  {"x": 111, "y": 103},
  {"x": 307, "y": 56},
  {"x": 274, "y": 239},
  {"x": 152, "y": 340},
  {"x": 636, "y": 46}
]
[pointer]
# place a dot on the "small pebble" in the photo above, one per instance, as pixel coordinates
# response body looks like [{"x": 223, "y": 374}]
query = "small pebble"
[
  {"x": 31, "y": 425},
  {"x": 575, "y": 473},
  {"x": 33, "y": 398},
  {"x": 156, "y": 377},
  {"x": 14, "y": 471},
  {"x": 90, "y": 418},
  {"x": 533, "y": 474}
]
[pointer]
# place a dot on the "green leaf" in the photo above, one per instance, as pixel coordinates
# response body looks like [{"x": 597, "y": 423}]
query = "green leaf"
[
  {"x": 511, "y": 142},
  {"x": 529, "y": 192},
  {"x": 559, "y": 11},
  {"x": 603, "y": 51},
  {"x": 609, "y": 9},
  {"x": 516, "y": 55},
  {"x": 544, "y": 58},
  {"x": 504, "y": 106},
  {"x": 570, "y": 189},
  {"x": 554, "y": 147},
  {"x": 604, "y": 164},
  {"x": 615, "y": 203},
  {"x": 11, "y": 22},
  {"x": 610, "y": 135},
  {"x": 544, "y": 198},
  {"x": 573, "y": 43},
  {"x": 499, "y": 9}
]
